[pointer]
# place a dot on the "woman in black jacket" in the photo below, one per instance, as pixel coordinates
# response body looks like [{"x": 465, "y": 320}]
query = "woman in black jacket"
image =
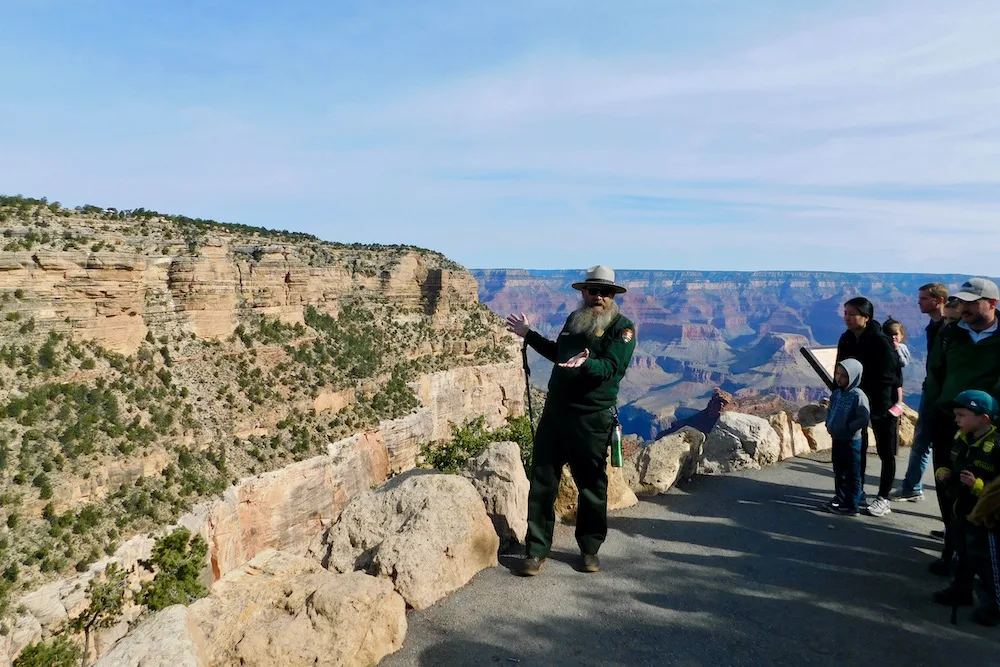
[{"x": 865, "y": 341}]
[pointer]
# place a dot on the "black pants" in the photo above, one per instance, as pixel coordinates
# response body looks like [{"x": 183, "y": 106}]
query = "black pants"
[
  {"x": 984, "y": 560},
  {"x": 942, "y": 429},
  {"x": 581, "y": 440},
  {"x": 886, "y": 430}
]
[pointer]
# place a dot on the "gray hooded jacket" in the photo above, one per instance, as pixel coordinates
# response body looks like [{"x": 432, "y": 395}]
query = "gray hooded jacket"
[{"x": 848, "y": 413}]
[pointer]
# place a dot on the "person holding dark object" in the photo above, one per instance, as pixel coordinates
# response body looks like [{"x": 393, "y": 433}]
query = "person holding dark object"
[
  {"x": 966, "y": 355},
  {"x": 845, "y": 420},
  {"x": 865, "y": 341},
  {"x": 591, "y": 355}
]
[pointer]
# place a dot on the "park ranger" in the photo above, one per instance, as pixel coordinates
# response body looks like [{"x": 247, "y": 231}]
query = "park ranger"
[{"x": 591, "y": 355}]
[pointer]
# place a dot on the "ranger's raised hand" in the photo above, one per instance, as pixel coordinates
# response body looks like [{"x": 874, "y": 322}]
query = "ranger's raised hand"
[{"x": 518, "y": 324}]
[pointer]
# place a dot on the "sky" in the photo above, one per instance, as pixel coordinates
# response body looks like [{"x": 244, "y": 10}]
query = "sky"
[{"x": 855, "y": 135}]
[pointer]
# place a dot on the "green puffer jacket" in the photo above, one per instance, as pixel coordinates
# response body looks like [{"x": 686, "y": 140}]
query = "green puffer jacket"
[{"x": 957, "y": 364}]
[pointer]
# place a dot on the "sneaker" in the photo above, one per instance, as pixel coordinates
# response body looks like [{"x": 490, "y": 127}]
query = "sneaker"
[
  {"x": 907, "y": 496},
  {"x": 590, "y": 563},
  {"x": 844, "y": 510},
  {"x": 831, "y": 505},
  {"x": 530, "y": 566},
  {"x": 988, "y": 616},
  {"x": 940, "y": 567},
  {"x": 879, "y": 507},
  {"x": 954, "y": 597}
]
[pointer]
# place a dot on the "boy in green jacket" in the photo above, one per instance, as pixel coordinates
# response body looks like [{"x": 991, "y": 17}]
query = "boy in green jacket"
[{"x": 975, "y": 458}]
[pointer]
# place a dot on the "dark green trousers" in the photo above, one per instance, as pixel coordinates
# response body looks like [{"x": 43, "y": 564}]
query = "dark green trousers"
[{"x": 581, "y": 440}]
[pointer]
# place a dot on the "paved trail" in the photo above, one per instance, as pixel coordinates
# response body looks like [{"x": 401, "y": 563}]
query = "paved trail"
[{"x": 735, "y": 570}]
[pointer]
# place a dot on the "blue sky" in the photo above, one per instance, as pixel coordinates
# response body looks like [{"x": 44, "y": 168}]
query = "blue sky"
[{"x": 692, "y": 134}]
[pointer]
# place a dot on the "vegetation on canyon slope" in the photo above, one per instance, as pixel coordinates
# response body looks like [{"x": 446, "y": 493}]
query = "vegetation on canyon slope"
[
  {"x": 79, "y": 424},
  {"x": 38, "y": 224}
]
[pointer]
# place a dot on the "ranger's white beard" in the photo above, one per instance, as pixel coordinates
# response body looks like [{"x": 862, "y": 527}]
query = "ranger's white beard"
[{"x": 586, "y": 320}]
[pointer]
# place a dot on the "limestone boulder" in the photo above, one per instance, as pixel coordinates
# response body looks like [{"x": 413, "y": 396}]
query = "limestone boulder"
[
  {"x": 282, "y": 609},
  {"x": 818, "y": 438},
  {"x": 907, "y": 426},
  {"x": 663, "y": 462},
  {"x": 812, "y": 418},
  {"x": 169, "y": 638},
  {"x": 813, "y": 421},
  {"x": 739, "y": 441},
  {"x": 793, "y": 440},
  {"x": 24, "y": 629},
  {"x": 630, "y": 472},
  {"x": 620, "y": 495},
  {"x": 499, "y": 477},
  {"x": 428, "y": 533}
]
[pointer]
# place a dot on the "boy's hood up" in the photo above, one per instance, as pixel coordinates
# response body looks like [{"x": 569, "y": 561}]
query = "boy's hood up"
[{"x": 854, "y": 370}]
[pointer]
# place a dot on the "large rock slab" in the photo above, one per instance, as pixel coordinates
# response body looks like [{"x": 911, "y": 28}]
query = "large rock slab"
[
  {"x": 498, "y": 474},
  {"x": 281, "y": 609},
  {"x": 907, "y": 426},
  {"x": 813, "y": 421},
  {"x": 620, "y": 495},
  {"x": 170, "y": 638},
  {"x": 739, "y": 441},
  {"x": 427, "y": 532},
  {"x": 793, "y": 440},
  {"x": 661, "y": 463}
]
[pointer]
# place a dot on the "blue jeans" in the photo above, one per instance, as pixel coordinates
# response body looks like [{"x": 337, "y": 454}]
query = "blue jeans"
[
  {"x": 848, "y": 486},
  {"x": 920, "y": 456}
]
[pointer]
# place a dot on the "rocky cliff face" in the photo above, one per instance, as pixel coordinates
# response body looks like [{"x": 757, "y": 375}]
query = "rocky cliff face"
[
  {"x": 115, "y": 298},
  {"x": 247, "y": 382},
  {"x": 701, "y": 330},
  {"x": 287, "y": 508}
]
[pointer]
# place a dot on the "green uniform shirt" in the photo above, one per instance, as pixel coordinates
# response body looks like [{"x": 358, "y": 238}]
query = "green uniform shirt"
[{"x": 594, "y": 385}]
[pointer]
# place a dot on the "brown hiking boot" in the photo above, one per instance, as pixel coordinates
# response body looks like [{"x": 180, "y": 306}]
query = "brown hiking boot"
[
  {"x": 530, "y": 566},
  {"x": 591, "y": 563}
]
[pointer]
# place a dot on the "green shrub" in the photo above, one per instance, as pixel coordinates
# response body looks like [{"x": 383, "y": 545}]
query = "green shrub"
[
  {"x": 57, "y": 652},
  {"x": 472, "y": 438},
  {"x": 107, "y": 597},
  {"x": 177, "y": 561}
]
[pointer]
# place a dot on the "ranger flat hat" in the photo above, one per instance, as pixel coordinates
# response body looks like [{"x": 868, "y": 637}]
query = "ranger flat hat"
[
  {"x": 600, "y": 276},
  {"x": 975, "y": 289}
]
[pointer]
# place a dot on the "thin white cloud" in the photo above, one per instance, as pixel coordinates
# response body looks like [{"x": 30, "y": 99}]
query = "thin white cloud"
[{"x": 821, "y": 128}]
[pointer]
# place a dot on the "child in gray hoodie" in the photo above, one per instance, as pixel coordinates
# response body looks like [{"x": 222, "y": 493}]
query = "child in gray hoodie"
[{"x": 847, "y": 416}]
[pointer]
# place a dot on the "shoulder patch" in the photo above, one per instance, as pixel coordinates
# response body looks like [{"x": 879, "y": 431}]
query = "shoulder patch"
[
  {"x": 988, "y": 446},
  {"x": 627, "y": 335}
]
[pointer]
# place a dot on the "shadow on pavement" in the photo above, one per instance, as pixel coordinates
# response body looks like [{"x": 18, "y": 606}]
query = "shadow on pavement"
[{"x": 731, "y": 570}]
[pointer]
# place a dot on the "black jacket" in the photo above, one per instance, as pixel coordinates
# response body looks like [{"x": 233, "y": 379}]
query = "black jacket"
[
  {"x": 931, "y": 331},
  {"x": 880, "y": 365}
]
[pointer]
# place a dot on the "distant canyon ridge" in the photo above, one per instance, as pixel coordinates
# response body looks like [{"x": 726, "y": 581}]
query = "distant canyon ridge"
[{"x": 738, "y": 331}]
